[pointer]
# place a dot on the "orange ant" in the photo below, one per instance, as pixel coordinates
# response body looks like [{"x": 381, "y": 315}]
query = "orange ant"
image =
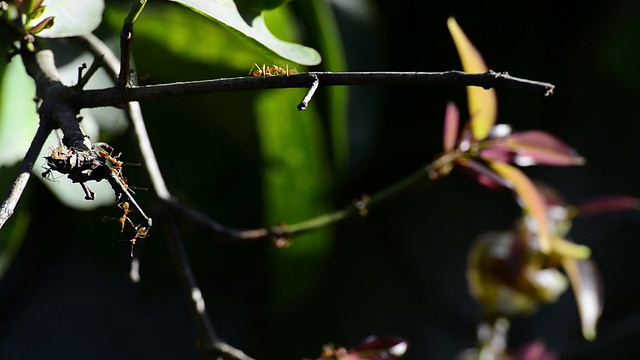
[
  {"x": 108, "y": 155},
  {"x": 126, "y": 208},
  {"x": 141, "y": 233},
  {"x": 272, "y": 70},
  {"x": 126, "y": 211}
]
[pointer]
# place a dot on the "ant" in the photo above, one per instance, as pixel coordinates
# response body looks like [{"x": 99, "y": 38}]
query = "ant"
[
  {"x": 106, "y": 151},
  {"x": 272, "y": 70},
  {"x": 126, "y": 211},
  {"x": 141, "y": 233},
  {"x": 126, "y": 208}
]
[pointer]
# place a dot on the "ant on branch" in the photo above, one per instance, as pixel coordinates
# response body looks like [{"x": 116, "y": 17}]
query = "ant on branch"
[
  {"x": 272, "y": 70},
  {"x": 141, "y": 233},
  {"x": 126, "y": 208},
  {"x": 106, "y": 151}
]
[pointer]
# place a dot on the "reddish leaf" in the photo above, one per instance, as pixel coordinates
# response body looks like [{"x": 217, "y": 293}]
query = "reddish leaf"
[
  {"x": 587, "y": 288},
  {"x": 608, "y": 204},
  {"x": 389, "y": 347},
  {"x": 451, "y": 123},
  {"x": 499, "y": 153},
  {"x": 483, "y": 174},
  {"x": 44, "y": 24},
  {"x": 540, "y": 148},
  {"x": 535, "y": 350}
]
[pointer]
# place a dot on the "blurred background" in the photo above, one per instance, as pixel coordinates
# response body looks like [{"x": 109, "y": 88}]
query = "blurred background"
[{"x": 250, "y": 159}]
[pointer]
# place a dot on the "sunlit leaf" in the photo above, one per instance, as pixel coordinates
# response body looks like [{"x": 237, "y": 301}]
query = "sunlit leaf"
[
  {"x": 451, "y": 123},
  {"x": 72, "y": 17},
  {"x": 226, "y": 13},
  {"x": 587, "y": 287},
  {"x": 18, "y": 117},
  {"x": 530, "y": 200},
  {"x": 260, "y": 4},
  {"x": 483, "y": 103}
]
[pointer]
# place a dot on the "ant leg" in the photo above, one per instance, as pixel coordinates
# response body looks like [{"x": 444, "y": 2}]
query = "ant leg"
[{"x": 88, "y": 194}]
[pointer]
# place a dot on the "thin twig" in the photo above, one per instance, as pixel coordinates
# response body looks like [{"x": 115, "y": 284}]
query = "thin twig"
[
  {"x": 17, "y": 188},
  {"x": 210, "y": 343},
  {"x": 359, "y": 207},
  {"x": 312, "y": 90},
  {"x": 116, "y": 96},
  {"x": 126, "y": 37},
  {"x": 95, "y": 65}
]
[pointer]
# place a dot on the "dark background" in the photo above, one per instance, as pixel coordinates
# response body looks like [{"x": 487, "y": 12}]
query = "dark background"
[{"x": 401, "y": 269}]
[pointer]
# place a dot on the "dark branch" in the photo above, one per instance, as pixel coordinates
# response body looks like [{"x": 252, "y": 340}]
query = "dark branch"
[
  {"x": 134, "y": 113},
  {"x": 54, "y": 111},
  {"x": 116, "y": 96},
  {"x": 210, "y": 343}
]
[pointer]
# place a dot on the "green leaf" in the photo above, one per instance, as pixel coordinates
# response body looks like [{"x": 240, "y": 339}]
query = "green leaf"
[
  {"x": 226, "y": 13},
  {"x": 295, "y": 188},
  {"x": 323, "y": 30},
  {"x": 72, "y": 17},
  {"x": 259, "y": 5},
  {"x": 18, "y": 117}
]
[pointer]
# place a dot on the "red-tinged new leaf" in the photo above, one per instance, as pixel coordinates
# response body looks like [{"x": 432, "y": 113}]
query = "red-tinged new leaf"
[
  {"x": 536, "y": 350},
  {"x": 541, "y": 148},
  {"x": 42, "y": 25},
  {"x": 482, "y": 174},
  {"x": 451, "y": 124},
  {"x": 587, "y": 288},
  {"x": 483, "y": 103},
  {"x": 608, "y": 204},
  {"x": 529, "y": 198},
  {"x": 374, "y": 348},
  {"x": 498, "y": 153}
]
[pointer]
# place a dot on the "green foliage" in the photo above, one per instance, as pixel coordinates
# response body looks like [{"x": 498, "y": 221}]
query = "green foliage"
[
  {"x": 18, "y": 117},
  {"x": 255, "y": 31},
  {"x": 296, "y": 183},
  {"x": 259, "y": 5},
  {"x": 72, "y": 17}
]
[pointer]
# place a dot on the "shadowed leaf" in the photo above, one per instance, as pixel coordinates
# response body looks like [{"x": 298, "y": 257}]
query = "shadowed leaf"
[
  {"x": 451, "y": 123},
  {"x": 483, "y": 103}
]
